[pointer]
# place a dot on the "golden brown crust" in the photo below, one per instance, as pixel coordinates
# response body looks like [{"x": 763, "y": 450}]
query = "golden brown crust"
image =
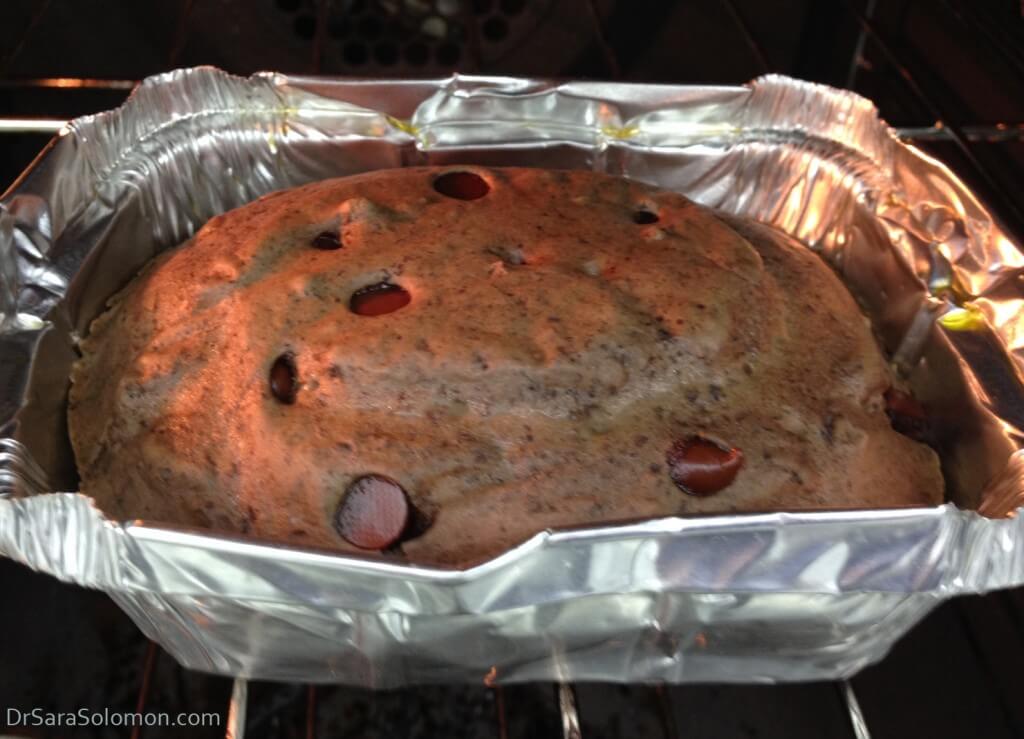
[{"x": 552, "y": 353}]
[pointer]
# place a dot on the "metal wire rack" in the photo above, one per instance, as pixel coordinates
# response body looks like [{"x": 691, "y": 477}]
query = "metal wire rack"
[
  {"x": 564, "y": 698},
  {"x": 941, "y": 127}
]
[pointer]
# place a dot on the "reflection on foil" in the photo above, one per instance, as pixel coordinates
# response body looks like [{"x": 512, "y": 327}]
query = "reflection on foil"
[{"x": 786, "y": 596}]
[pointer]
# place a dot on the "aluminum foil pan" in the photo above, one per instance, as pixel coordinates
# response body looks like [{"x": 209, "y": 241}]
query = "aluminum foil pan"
[{"x": 785, "y": 596}]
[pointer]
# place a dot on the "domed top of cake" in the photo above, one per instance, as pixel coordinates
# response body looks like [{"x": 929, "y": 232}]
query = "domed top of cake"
[{"x": 442, "y": 362}]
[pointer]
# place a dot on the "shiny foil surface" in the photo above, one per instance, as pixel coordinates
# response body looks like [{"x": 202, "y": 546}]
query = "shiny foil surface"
[{"x": 737, "y": 598}]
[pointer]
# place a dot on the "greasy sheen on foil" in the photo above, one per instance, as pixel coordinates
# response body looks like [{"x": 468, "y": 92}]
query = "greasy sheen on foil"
[{"x": 740, "y": 598}]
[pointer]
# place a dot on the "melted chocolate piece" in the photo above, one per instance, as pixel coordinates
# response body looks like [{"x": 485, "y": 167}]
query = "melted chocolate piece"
[
  {"x": 462, "y": 185},
  {"x": 373, "y": 513},
  {"x": 900, "y": 403},
  {"x": 908, "y": 417},
  {"x": 376, "y": 300},
  {"x": 326, "y": 240},
  {"x": 644, "y": 217},
  {"x": 284, "y": 379},
  {"x": 701, "y": 467}
]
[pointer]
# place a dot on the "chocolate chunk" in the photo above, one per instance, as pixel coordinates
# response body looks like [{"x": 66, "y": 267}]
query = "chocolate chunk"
[
  {"x": 701, "y": 467},
  {"x": 376, "y": 300},
  {"x": 284, "y": 379},
  {"x": 908, "y": 417},
  {"x": 373, "y": 513}
]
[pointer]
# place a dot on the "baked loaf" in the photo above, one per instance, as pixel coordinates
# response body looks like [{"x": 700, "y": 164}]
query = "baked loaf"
[{"x": 440, "y": 363}]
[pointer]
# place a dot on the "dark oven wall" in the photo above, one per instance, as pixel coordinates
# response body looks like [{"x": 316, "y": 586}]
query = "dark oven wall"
[{"x": 957, "y": 62}]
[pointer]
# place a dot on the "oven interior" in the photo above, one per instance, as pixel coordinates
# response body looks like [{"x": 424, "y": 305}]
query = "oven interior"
[{"x": 947, "y": 73}]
